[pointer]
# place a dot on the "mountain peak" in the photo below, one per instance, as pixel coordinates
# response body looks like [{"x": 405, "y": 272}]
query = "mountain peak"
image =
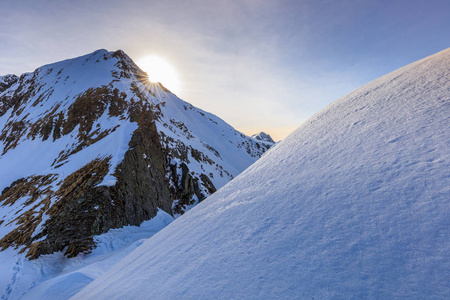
[
  {"x": 99, "y": 63},
  {"x": 93, "y": 145},
  {"x": 264, "y": 137}
]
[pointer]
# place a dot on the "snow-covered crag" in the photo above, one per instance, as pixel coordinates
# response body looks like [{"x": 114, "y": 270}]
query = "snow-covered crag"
[
  {"x": 89, "y": 144},
  {"x": 355, "y": 204},
  {"x": 264, "y": 138}
]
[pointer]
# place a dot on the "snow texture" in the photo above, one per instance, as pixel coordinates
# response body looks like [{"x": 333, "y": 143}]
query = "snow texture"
[{"x": 353, "y": 204}]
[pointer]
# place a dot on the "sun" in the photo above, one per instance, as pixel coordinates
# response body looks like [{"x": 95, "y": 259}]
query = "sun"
[{"x": 159, "y": 70}]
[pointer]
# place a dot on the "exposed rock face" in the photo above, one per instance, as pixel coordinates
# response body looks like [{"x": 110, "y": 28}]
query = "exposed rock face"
[
  {"x": 89, "y": 144},
  {"x": 5, "y": 83}
]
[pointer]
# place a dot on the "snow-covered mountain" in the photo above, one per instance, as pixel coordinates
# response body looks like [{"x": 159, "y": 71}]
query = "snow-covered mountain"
[
  {"x": 89, "y": 144},
  {"x": 263, "y": 137},
  {"x": 355, "y": 204}
]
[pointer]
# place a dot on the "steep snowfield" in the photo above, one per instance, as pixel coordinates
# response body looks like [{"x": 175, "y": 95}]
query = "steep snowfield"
[{"x": 354, "y": 204}]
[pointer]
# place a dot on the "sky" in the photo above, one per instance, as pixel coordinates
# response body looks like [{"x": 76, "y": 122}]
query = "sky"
[{"x": 260, "y": 65}]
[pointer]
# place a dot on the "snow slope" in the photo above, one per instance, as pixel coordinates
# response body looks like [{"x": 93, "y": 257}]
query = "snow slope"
[
  {"x": 353, "y": 204},
  {"x": 56, "y": 277}
]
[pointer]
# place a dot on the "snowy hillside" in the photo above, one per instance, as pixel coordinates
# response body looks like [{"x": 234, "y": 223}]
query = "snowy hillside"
[
  {"x": 90, "y": 144},
  {"x": 355, "y": 204}
]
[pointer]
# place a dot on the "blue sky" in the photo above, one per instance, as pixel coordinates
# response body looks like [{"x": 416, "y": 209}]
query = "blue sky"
[{"x": 258, "y": 64}]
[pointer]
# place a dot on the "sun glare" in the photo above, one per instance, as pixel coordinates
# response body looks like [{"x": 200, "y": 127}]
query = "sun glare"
[{"x": 159, "y": 70}]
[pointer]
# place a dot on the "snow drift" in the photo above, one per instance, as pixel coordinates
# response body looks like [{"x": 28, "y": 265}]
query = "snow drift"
[{"x": 353, "y": 204}]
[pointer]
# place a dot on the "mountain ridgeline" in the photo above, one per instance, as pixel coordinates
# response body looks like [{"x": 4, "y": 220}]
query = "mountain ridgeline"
[{"x": 89, "y": 144}]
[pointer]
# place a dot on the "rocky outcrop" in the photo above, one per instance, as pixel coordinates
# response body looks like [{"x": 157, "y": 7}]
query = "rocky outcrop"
[
  {"x": 7, "y": 81},
  {"x": 85, "y": 208},
  {"x": 33, "y": 193}
]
